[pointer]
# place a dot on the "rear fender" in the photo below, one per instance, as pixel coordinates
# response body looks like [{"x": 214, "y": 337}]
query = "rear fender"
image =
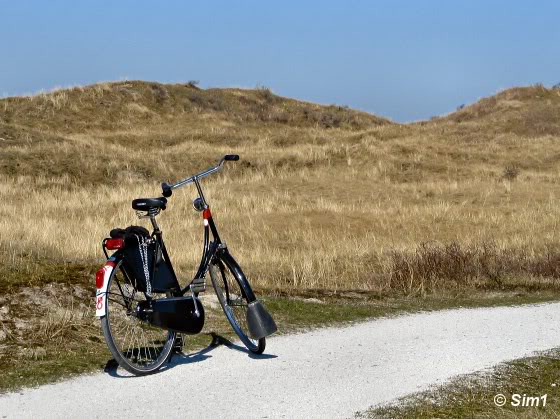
[{"x": 102, "y": 283}]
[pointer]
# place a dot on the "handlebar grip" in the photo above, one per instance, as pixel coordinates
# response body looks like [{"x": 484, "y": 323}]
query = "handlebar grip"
[
  {"x": 166, "y": 190},
  {"x": 231, "y": 157}
]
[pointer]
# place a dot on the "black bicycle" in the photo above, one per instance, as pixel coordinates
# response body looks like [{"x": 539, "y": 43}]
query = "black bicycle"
[{"x": 143, "y": 310}]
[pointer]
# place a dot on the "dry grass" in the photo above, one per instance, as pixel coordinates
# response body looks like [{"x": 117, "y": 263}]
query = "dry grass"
[
  {"x": 473, "y": 395},
  {"x": 528, "y": 111},
  {"x": 323, "y": 198},
  {"x": 325, "y": 202}
]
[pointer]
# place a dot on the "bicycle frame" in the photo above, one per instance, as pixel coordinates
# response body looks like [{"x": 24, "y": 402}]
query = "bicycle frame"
[
  {"x": 208, "y": 250},
  {"x": 210, "y": 247}
]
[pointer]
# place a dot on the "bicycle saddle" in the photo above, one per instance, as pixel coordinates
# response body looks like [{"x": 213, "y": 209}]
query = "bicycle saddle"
[{"x": 145, "y": 204}]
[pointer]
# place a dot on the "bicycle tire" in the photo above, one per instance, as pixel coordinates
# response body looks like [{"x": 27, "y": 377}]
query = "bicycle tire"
[
  {"x": 227, "y": 280},
  {"x": 140, "y": 335}
]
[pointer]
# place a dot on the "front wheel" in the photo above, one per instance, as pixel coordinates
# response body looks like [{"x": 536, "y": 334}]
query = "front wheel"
[{"x": 228, "y": 281}]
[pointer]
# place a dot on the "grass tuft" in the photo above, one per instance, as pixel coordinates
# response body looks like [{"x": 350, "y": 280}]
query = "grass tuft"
[{"x": 473, "y": 395}]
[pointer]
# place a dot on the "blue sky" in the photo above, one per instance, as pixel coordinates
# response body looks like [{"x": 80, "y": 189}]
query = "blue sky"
[{"x": 406, "y": 60}]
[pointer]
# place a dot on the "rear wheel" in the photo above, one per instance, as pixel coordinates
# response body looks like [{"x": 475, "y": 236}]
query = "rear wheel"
[
  {"x": 234, "y": 302},
  {"x": 137, "y": 346}
]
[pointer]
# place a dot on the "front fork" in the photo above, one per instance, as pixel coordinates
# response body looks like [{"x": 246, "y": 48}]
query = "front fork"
[{"x": 198, "y": 284}]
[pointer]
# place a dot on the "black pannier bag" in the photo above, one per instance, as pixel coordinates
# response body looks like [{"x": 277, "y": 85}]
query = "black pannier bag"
[{"x": 139, "y": 257}]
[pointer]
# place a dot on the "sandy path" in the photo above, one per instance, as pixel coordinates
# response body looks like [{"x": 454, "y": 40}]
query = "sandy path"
[{"x": 326, "y": 373}]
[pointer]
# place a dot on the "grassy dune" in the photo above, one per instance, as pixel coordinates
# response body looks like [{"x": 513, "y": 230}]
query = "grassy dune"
[
  {"x": 325, "y": 202},
  {"x": 323, "y": 197}
]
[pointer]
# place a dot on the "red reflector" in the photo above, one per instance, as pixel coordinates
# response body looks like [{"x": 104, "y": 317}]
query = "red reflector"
[
  {"x": 206, "y": 214},
  {"x": 100, "y": 274},
  {"x": 114, "y": 244},
  {"x": 99, "y": 278}
]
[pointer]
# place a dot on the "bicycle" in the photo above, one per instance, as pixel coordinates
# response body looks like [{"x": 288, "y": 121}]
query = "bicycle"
[{"x": 143, "y": 310}]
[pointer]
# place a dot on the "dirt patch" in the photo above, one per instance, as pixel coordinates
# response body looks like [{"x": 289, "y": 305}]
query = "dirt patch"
[{"x": 37, "y": 318}]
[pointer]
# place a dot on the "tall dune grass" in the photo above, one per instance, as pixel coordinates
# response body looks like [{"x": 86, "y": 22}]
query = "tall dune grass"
[{"x": 361, "y": 204}]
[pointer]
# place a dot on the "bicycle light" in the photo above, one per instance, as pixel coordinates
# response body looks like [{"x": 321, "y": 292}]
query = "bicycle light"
[
  {"x": 198, "y": 204},
  {"x": 114, "y": 244}
]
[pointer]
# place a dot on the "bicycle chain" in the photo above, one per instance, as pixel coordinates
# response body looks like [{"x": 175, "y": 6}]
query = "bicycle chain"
[{"x": 143, "y": 248}]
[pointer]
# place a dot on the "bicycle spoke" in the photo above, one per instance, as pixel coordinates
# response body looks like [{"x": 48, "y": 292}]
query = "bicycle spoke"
[
  {"x": 139, "y": 344},
  {"x": 234, "y": 303}
]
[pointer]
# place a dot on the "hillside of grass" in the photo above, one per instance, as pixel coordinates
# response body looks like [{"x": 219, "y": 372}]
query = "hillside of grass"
[
  {"x": 334, "y": 198},
  {"x": 121, "y": 105},
  {"x": 86, "y": 133},
  {"x": 326, "y": 203},
  {"x": 531, "y": 111}
]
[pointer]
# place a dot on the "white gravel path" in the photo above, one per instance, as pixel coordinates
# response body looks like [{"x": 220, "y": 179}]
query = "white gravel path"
[{"x": 326, "y": 373}]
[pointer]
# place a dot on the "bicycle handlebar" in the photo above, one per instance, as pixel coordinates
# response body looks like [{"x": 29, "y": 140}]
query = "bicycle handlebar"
[{"x": 168, "y": 189}]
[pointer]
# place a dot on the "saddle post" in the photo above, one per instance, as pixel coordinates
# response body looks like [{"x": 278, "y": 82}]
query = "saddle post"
[{"x": 152, "y": 215}]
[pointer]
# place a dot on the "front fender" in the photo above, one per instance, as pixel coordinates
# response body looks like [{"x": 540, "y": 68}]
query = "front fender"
[
  {"x": 101, "y": 284},
  {"x": 228, "y": 259}
]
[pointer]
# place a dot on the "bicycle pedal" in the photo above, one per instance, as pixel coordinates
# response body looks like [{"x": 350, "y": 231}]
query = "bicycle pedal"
[
  {"x": 178, "y": 344},
  {"x": 198, "y": 285}
]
